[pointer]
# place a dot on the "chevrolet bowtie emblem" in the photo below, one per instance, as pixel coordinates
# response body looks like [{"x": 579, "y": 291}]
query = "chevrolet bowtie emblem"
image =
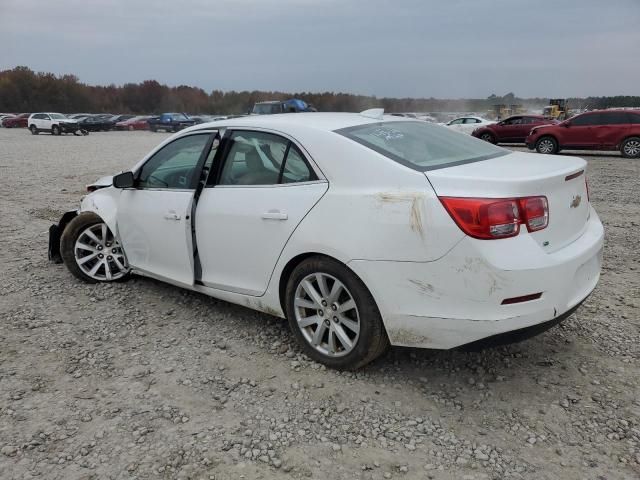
[{"x": 576, "y": 201}]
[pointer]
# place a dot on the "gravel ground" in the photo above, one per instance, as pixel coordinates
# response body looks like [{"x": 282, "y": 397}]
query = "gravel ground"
[{"x": 144, "y": 380}]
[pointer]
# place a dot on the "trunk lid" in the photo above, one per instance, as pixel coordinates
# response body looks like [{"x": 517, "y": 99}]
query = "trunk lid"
[{"x": 522, "y": 174}]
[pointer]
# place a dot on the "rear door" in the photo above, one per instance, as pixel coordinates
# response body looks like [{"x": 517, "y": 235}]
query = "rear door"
[
  {"x": 250, "y": 207},
  {"x": 154, "y": 218}
]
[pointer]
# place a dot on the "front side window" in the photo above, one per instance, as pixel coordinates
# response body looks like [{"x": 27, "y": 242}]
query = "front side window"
[
  {"x": 420, "y": 145},
  {"x": 458, "y": 121},
  {"x": 471, "y": 120},
  {"x": 259, "y": 158},
  {"x": 587, "y": 119},
  {"x": 174, "y": 165},
  {"x": 58, "y": 116}
]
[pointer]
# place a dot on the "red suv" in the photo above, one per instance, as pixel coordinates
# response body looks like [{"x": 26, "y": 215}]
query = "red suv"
[
  {"x": 511, "y": 130},
  {"x": 597, "y": 130}
]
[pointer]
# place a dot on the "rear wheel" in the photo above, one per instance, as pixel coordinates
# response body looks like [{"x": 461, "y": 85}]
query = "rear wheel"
[
  {"x": 630, "y": 148},
  {"x": 333, "y": 315},
  {"x": 34, "y": 130},
  {"x": 547, "y": 145},
  {"x": 55, "y": 130},
  {"x": 91, "y": 252},
  {"x": 488, "y": 137},
  {"x": 131, "y": 128}
]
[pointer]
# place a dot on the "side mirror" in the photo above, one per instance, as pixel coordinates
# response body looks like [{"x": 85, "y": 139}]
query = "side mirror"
[{"x": 124, "y": 180}]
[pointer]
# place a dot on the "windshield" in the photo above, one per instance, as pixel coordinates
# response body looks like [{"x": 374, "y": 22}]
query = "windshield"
[
  {"x": 421, "y": 145},
  {"x": 267, "y": 108},
  {"x": 57, "y": 116}
]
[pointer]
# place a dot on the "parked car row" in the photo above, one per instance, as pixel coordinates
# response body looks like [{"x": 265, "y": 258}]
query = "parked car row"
[
  {"x": 596, "y": 130},
  {"x": 87, "y": 122}
]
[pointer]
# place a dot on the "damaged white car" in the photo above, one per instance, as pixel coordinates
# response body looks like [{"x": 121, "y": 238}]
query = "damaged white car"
[{"x": 363, "y": 230}]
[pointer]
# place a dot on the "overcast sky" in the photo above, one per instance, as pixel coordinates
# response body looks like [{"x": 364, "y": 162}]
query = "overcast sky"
[{"x": 417, "y": 48}]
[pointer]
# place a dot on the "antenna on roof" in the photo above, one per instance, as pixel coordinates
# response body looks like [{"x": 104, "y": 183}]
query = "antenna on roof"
[{"x": 375, "y": 113}]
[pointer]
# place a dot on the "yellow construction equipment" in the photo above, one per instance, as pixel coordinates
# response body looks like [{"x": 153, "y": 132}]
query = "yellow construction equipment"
[{"x": 557, "y": 109}]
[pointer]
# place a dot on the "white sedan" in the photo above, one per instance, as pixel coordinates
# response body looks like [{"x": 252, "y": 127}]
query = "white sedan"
[
  {"x": 467, "y": 124},
  {"x": 362, "y": 230}
]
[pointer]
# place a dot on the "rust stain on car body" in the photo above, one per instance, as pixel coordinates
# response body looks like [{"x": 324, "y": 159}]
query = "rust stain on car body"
[{"x": 415, "y": 201}]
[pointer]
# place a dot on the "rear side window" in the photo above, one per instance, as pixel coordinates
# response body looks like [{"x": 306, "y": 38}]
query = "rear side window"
[
  {"x": 635, "y": 118},
  {"x": 421, "y": 146},
  {"x": 260, "y": 158}
]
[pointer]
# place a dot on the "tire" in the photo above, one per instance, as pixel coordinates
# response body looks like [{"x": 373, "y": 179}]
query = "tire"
[
  {"x": 153, "y": 129},
  {"x": 131, "y": 128},
  {"x": 55, "y": 130},
  {"x": 88, "y": 260},
  {"x": 360, "y": 310},
  {"x": 630, "y": 148},
  {"x": 488, "y": 137},
  {"x": 547, "y": 145},
  {"x": 34, "y": 130}
]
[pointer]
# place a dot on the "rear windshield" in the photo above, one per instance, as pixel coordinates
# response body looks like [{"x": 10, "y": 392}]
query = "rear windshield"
[{"x": 422, "y": 145}]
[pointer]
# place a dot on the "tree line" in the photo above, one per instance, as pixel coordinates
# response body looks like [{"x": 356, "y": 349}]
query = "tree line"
[{"x": 23, "y": 90}]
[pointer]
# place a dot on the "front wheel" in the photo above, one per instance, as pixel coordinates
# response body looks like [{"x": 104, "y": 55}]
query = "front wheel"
[
  {"x": 547, "y": 145},
  {"x": 630, "y": 148},
  {"x": 91, "y": 252},
  {"x": 333, "y": 315},
  {"x": 487, "y": 137},
  {"x": 55, "y": 130},
  {"x": 34, "y": 130}
]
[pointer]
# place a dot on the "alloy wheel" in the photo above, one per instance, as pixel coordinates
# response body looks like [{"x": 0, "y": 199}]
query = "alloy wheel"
[
  {"x": 99, "y": 254},
  {"x": 486, "y": 137},
  {"x": 326, "y": 314},
  {"x": 632, "y": 148},
  {"x": 546, "y": 146}
]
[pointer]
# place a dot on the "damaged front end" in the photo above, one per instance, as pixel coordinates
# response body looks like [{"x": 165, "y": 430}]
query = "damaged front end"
[{"x": 55, "y": 232}]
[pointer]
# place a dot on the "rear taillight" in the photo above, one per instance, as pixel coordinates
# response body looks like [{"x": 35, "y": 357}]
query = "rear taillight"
[
  {"x": 534, "y": 212},
  {"x": 493, "y": 218}
]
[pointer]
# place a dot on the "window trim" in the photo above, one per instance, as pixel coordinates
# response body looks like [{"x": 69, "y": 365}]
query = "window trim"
[
  {"x": 225, "y": 147},
  {"x": 199, "y": 164}
]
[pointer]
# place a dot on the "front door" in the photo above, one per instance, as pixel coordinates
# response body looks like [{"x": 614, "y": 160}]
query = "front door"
[
  {"x": 258, "y": 196},
  {"x": 154, "y": 218},
  {"x": 579, "y": 132},
  {"x": 508, "y": 129}
]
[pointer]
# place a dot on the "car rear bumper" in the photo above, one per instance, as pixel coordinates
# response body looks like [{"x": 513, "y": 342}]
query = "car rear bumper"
[{"x": 458, "y": 299}]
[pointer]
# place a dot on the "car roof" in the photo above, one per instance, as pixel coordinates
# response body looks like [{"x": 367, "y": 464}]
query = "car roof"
[{"x": 309, "y": 120}]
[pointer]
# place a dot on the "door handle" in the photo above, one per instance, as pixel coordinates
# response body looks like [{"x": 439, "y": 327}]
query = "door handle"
[
  {"x": 171, "y": 216},
  {"x": 274, "y": 215}
]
